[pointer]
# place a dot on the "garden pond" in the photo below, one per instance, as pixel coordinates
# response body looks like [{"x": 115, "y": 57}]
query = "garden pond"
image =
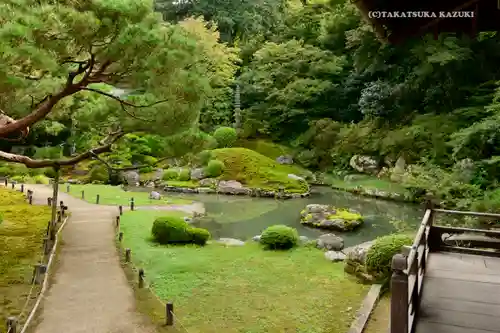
[{"x": 243, "y": 217}]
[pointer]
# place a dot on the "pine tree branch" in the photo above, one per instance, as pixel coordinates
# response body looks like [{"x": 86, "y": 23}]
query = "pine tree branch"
[
  {"x": 35, "y": 164},
  {"x": 110, "y": 167}
]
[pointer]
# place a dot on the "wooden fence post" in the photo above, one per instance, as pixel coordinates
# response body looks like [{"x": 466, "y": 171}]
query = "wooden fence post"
[
  {"x": 6, "y": 182},
  {"x": 97, "y": 199},
  {"x": 117, "y": 225},
  {"x": 120, "y": 236},
  {"x": 67, "y": 188},
  {"x": 22, "y": 188},
  {"x": 38, "y": 272},
  {"x": 141, "y": 278},
  {"x": 12, "y": 325},
  {"x": 59, "y": 216},
  {"x": 49, "y": 201},
  {"x": 132, "y": 204},
  {"x": 120, "y": 209},
  {"x": 169, "y": 314},
  {"x": 399, "y": 295},
  {"x": 83, "y": 194},
  {"x": 46, "y": 245},
  {"x": 30, "y": 199},
  {"x": 13, "y": 185},
  {"x": 127, "y": 255}
]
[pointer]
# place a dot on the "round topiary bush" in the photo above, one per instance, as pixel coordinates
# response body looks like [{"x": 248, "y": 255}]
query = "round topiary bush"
[
  {"x": 199, "y": 236},
  {"x": 184, "y": 175},
  {"x": 379, "y": 256},
  {"x": 279, "y": 237},
  {"x": 214, "y": 168},
  {"x": 225, "y": 137},
  {"x": 170, "y": 174},
  {"x": 170, "y": 230}
]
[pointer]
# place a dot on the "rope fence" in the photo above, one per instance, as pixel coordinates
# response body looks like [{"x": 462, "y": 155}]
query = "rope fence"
[
  {"x": 170, "y": 317},
  {"x": 40, "y": 270},
  {"x": 98, "y": 198}
]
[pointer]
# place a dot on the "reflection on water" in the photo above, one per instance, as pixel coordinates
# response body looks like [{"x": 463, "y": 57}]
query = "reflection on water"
[{"x": 245, "y": 217}]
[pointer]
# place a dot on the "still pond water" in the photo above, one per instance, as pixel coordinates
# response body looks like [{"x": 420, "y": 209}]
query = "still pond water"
[{"x": 244, "y": 217}]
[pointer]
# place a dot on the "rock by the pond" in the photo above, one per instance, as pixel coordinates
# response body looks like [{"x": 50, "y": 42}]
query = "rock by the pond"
[
  {"x": 284, "y": 159},
  {"x": 256, "y": 238},
  {"x": 231, "y": 242},
  {"x": 188, "y": 219},
  {"x": 132, "y": 178},
  {"x": 330, "y": 242},
  {"x": 155, "y": 195},
  {"x": 205, "y": 190},
  {"x": 329, "y": 217},
  {"x": 197, "y": 173},
  {"x": 334, "y": 256},
  {"x": 303, "y": 239},
  {"x": 364, "y": 164},
  {"x": 208, "y": 182},
  {"x": 232, "y": 187},
  {"x": 295, "y": 177},
  {"x": 357, "y": 254}
]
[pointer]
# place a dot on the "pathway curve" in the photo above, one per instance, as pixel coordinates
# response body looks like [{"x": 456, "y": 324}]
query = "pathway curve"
[{"x": 89, "y": 292}]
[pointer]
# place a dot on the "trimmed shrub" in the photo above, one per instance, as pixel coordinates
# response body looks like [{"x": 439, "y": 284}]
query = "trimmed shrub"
[
  {"x": 379, "y": 256},
  {"x": 170, "y": 174},
  {"x": 214, "y": 168},
  {"x": 184, "y": 175},
  {"x": 99, "y": 174},
  {"x": 199, "y": 236},
  {"x": 204, "y": 157},
  {"x": 170, "y": 230},
  {"x": 279, "y": 237},
  {"x": 225, "y": 136}
]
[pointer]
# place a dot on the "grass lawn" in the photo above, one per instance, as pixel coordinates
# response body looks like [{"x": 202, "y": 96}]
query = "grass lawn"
[
  {"x": 114, "y": 195},
  {"x": 22, "y": 228},
  {"x": 368, "y": 182},
  {"x": 244, "y": 289},
  {"x": 380, "y": 317}
]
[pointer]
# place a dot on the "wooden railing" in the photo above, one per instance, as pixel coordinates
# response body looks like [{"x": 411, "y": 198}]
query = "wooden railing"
[{"x": 407, "y": 281}]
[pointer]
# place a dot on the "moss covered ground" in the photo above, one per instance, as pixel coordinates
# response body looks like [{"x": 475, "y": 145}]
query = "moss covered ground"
[
  {"x": 22, "y": 228},
  {"x": 367, "y": 182},
  {"x": 115, "y": 195},
  {"x": 264, "y": 147},
  {"x": 244, "y": 289},
  {"x": 258, "y": 171}
]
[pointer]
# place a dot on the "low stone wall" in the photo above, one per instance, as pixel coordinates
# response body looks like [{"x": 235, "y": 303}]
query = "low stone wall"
[{"x": 253, "y": 192}]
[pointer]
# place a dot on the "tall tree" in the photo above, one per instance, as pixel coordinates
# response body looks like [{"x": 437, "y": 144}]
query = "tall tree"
[{"x": 67, "y": 58}]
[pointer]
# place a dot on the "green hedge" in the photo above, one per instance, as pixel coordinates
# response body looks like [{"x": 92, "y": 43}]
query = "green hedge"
[
  {"x": 214, "y": 168},
  {"x": 379, "y": 256},
  {"x": 174, "y": 230}
]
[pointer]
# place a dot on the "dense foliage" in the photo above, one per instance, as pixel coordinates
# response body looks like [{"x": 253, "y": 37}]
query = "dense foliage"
[
  {"x": 379, "y": 256},
  {"x": 174, "y": 230}
]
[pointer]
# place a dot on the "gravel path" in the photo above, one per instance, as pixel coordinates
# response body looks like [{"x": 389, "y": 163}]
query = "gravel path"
[{"x": 89, "y": 293}]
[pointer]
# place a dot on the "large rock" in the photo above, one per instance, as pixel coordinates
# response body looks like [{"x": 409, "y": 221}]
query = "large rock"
[
  {"x": 232, "y": 187},
  {"x": 132, "y": 178},
  {"x": 329, "y": 217},
  {"x": 334, "y": 256},
  {"x": 330, "y": 242},
  {"x": 357, "y": 254},
  {"x": 364, "y": 164},
  {"x": 158, "y": 174},
  {"x": 284, "y": 159},
  {"x": 399, "y": 170},
  {"x": 155, "y": 195},
  {"x": 231, "y": 242},
  {"x": 197, "y": 173}
]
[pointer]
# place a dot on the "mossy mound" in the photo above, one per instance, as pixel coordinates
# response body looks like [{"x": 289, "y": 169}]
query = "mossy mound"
[
  {"x": 329, "y": 217},
  {"x": 266, "y": 148},
  {"x": 255, "y": 170}
]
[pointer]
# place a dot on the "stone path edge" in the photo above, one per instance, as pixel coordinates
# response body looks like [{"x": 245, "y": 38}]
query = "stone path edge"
[
  {"x": 46, "y": 277},
  {"x": 371, "y": 299}
]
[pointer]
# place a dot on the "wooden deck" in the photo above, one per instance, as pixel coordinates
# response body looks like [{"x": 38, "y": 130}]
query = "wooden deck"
[
  {"x": 461, "y": 294},
  {"x": 448, "y": 281}
]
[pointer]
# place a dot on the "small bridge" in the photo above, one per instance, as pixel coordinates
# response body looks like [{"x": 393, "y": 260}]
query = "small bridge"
[{"x": 448, "y": 281}]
